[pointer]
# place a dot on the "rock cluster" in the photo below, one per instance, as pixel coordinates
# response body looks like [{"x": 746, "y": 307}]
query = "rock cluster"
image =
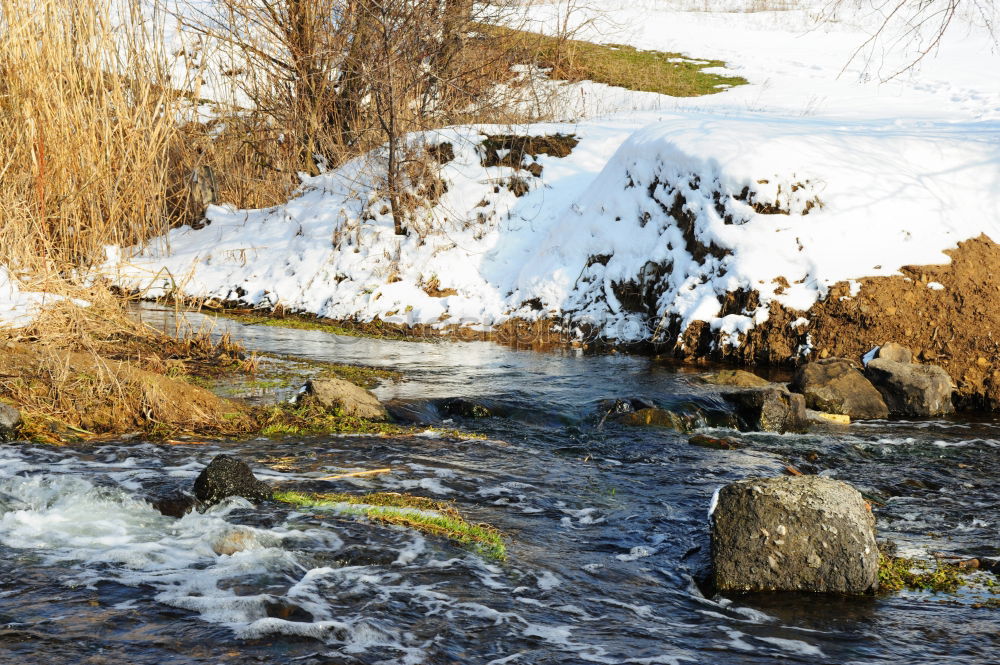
[
  {"x": 890, "y": 384},
  {"x": 835, "y": 385}
]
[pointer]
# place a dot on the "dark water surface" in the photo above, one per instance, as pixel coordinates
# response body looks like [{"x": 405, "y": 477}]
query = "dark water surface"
[{"x": 607, "y": 534}]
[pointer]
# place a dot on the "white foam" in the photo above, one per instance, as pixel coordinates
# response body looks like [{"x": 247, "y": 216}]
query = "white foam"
[{"x": 797, "y": 647}]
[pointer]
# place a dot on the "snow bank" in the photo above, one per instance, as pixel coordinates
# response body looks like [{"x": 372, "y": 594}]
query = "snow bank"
[
  {"x": 19, "y": 307},
  {"x": 808, "y": 176}
]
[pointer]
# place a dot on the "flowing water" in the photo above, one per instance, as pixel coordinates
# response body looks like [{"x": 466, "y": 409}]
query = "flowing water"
[{"x": 607, "y": 533}]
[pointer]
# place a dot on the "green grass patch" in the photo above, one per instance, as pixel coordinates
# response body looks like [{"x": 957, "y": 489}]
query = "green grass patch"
[
  {"x": 375, "y": 329},
  {"x": 622, "y": 66},
  {"x": 285, "y": 420},
  {"x": 898, "y": 573},
  {"x": 280, "y": 421},
  {"x": 415, "y": 512},
  {"x": 366, "y": 377}
]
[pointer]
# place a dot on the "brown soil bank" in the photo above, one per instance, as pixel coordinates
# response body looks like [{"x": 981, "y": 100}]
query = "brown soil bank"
[{"x": 957, "y": 326}]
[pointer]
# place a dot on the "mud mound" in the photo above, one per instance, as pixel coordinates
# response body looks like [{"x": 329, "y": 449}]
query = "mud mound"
[
  {"x": 947, "y": 314},
  {"x": 98, "y": 395}
]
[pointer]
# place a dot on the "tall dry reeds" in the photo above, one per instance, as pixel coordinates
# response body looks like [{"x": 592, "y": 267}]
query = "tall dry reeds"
[{"x": 87, "y": 121}]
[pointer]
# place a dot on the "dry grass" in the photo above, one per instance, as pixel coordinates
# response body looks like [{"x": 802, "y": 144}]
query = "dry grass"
[
  {"x": 87, "y": 120},
  {"x": 88, "y": 370}
]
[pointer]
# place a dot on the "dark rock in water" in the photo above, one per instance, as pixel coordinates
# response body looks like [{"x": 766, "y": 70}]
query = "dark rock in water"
[
  {"x": 10, "y": 422},
  {"x": 795, "y": 533},
  {"x": 725, "y": 443},
  {"x": 345, "y": 398},
  {"x": 658, "y": 418},
  {"x": 894, "y": 352},
  {"x": 834, "y": 385},
  {"x": 282, "y": 609},
  {"x": 617, "y": 407},
  {"x": 769, "y": 409},
  {"x": 466, "y": 408},
  {"x": 992, "y": 565},
  {"x": 737, "y": 378},
  {"x": 227, "y": 476},
  {"x": 912, "y": 390},
  {"x": 174, "y": 505}
]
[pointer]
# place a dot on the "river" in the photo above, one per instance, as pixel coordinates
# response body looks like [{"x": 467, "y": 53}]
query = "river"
[{"x": 606, "y": 526}]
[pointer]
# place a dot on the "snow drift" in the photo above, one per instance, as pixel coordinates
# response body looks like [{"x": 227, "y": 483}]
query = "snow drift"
[{"x": 642, "y": 227}]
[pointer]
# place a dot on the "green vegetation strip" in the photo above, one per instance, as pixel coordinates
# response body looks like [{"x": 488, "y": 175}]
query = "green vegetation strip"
[
  {"x": 897, "y": 573},
  {"x": 623, "y": 66},
  {"x": 415, "y": 512},
  {"x": 375, "y": 329}
]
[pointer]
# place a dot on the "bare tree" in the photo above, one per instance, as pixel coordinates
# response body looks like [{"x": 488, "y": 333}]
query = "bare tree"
[
  {"x": 919, "y": 25},
  {"x": 336, "y": 78}
]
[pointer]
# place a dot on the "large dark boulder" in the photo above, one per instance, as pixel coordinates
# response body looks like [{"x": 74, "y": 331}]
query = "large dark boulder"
[
  {"x": 227, "y": 476},
  {"x": 834, "y": 385},
  {"x": 796, "y": 533},
  {"x": 768, "y": 409},
  {"x": 912, "y": 390},
  {"x": 344, "y": 398},
  {"x": 10, "y": 422}
]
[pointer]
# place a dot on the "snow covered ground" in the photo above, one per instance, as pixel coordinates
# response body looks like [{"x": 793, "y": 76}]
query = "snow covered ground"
[
  {"x": 814, "y": 173},
  {"x": 19, "y": 306}
]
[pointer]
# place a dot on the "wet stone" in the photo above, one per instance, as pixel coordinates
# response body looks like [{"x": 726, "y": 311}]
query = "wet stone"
[
  {"x": 345, "y": 398},
  {"x": 798, "y": 533},
  {"x": 227, "y": 476},
  {"x": 737, "y": 378},
  {"x": 465, "y": 408},
  {"x": 10, "y": 421},
  {"x": 835, "y": 386},
  {"x": 174, "y": 505},
  {"x": 912, "y": 390},
  {"x": 769, "y": 409},
  {"x": 724, "y": 443}
]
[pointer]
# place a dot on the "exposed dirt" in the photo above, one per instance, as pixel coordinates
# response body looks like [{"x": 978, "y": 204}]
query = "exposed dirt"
[{"x": 957, "y": 326}]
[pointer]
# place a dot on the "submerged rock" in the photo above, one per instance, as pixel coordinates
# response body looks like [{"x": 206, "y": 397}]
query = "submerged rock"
[
  {"x": 466, "y": 408},
  {"x": 345, "y": 398},
  {"x": 797, "y": 533},
  {"x": 912, "y": 390},
  {"x": 768, "y": 409},
  {"x": 617, "y": 407},
  {"x": 234, "y": 541},
  {"x": 173, "y": 505},
  {"x": 653, "y": 417},
  {"x": 737, "y": 378},
  {"x": 227, "y": 476},
  {"x": 724, "y": 443},
  {"x": 10, "y": 422},
  {"x": 834, "y": 385}
]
